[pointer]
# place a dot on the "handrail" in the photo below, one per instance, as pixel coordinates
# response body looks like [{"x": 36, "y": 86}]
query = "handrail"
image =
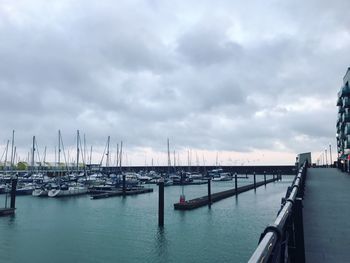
[{"x": 275, "y": 233}]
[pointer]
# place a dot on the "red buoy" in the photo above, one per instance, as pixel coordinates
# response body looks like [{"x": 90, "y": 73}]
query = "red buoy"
[{"x": 182, "y": 199}]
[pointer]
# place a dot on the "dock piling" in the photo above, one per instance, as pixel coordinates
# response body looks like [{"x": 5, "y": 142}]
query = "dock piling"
[
  {"x": 209, "y": 192},
  {"x": 264, "y": 177},
  {"x": 254, "y": 181},
  {"x": 236, "y": 183},
  {"x": 124, "y": 184},
  {"x": 161, "y": 204},
  {"x": 13, "y": 192}
]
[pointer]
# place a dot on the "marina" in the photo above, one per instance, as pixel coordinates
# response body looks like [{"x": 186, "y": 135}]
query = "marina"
[
  {"x": 125, "y": 229},
  {"x": 174, "y": 131}
]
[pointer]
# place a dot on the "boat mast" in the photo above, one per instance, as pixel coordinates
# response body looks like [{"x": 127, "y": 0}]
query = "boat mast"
[
  {"x": 188, "y": 160},
  {"x": 121, "y": 156},
  {"x": 78, "y": 151},
  {"x": 6, "y": 151},
  {"x": 205, "y": 168},
  {"x": 107, "y": 154},
  {"x": 59, "y": 150},
  {"x": 33, "y": 154},
  {"x": 169, "y": 161},
  {"x": 14, "y": 156},
  {"x": 44, "y": 161},
  {"x": 90, "y": 155},
  {"x": 85, "y": 159},
  {"x": 117, "y": 155},
  {"x": 12, "y": 149}
]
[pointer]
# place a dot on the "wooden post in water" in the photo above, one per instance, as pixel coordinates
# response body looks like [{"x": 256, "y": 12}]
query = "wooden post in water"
[
  {"x": 13, "y": 193},
  {"x": 265, "y": 177},
  {"x": 236, "y": 184},
  {"x": 124, "y": 185},
  {"x": 161, "y": 204},
  {"x": 209, "y": 192},
  {"x": 254, "y": 181}
]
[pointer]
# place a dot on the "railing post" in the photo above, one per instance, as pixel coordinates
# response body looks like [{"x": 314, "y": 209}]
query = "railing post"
[{"x": 299, "y": 231}]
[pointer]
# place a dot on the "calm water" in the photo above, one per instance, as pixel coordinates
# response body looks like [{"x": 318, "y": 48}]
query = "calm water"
[{"x": 125, "y": 229}]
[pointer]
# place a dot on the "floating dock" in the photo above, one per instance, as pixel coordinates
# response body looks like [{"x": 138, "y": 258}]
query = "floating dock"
[
  {"x": 202, "y": 201},
  {"x": 107, "y": 194},
  {"x": 195, "y": 182},
  {"x": 7, "y": 211}
]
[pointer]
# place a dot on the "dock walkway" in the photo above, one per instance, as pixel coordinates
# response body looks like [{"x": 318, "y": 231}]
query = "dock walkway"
[
  {"x": 327, "y": 215},
  {"x": 203, "y": 201}
]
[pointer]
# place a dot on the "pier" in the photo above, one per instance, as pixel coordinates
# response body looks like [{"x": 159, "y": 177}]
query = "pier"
[
  {"x": 204, "y": 200},
  {"x": 313, "y": 223},
  {"x": 326, "y": 215}
]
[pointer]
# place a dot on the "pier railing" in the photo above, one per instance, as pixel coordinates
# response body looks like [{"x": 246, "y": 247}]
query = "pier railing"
[{"x": 283, "y": 241}]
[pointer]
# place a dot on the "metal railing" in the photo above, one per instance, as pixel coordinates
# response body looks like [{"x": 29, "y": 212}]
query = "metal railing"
[{"x": 283, "y": 241}]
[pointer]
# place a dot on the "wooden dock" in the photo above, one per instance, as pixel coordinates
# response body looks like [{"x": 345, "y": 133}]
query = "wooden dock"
[
  {"x": 7, "y": 211},
  {"x": 107, "y": 194},
  {"x": 202, "y": 201}
]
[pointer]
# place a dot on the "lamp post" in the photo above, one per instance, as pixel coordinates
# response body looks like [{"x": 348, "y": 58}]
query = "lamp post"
[
  {"x": 330, "y": 154},
  {"x": 325, "y": 150}
]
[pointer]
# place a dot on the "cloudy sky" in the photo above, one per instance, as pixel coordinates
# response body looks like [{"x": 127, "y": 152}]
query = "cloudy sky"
[{"x": 254, "y": 82}]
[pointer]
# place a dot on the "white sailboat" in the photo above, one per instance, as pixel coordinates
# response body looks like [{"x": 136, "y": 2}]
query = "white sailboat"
[
  {"x": 68, "y": 191},
  {"x": 65, "y": 190}
]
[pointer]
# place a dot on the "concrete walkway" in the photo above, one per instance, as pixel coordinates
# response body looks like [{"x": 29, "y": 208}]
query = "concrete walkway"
[{"x": 327, "y": 215}]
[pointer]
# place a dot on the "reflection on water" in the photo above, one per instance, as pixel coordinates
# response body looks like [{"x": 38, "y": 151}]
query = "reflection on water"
[{"x": 161, "y": 244}]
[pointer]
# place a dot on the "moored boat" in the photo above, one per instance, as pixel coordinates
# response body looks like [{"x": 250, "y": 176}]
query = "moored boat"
[{"x": 68, "y": 191}]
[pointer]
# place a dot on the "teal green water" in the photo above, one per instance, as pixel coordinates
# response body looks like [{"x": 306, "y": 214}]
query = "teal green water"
[{"x": 125, "y": 229}]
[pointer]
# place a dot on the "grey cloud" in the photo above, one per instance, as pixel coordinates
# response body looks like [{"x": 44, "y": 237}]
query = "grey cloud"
[
  {"x": 207, "y": 46},
  {"x": 171, "y": 70}
]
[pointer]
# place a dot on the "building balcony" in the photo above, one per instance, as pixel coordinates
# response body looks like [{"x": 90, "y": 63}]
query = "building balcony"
[
  {"x": 346, "y": 117},
  {"x": 342, "y": 136},
  {"x": 345, "y": 91},
  {"x": 340, "y": 102},
  {"x": 346, "y": 102},
  {"x": 347, "y": 129}
]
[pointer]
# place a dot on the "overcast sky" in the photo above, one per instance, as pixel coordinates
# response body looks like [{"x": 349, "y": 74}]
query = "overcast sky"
[{"x": 254, "y": 81}]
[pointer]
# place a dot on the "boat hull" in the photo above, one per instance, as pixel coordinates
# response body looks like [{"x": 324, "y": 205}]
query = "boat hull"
[
  {"x": 72, "y": 191},
  {"x": 40, "y": 193}
]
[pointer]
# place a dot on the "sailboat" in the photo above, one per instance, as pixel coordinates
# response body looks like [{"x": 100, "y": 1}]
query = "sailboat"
[
  {"x": 39, "y": 190},
  {"x": 70, "y": 190}
]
